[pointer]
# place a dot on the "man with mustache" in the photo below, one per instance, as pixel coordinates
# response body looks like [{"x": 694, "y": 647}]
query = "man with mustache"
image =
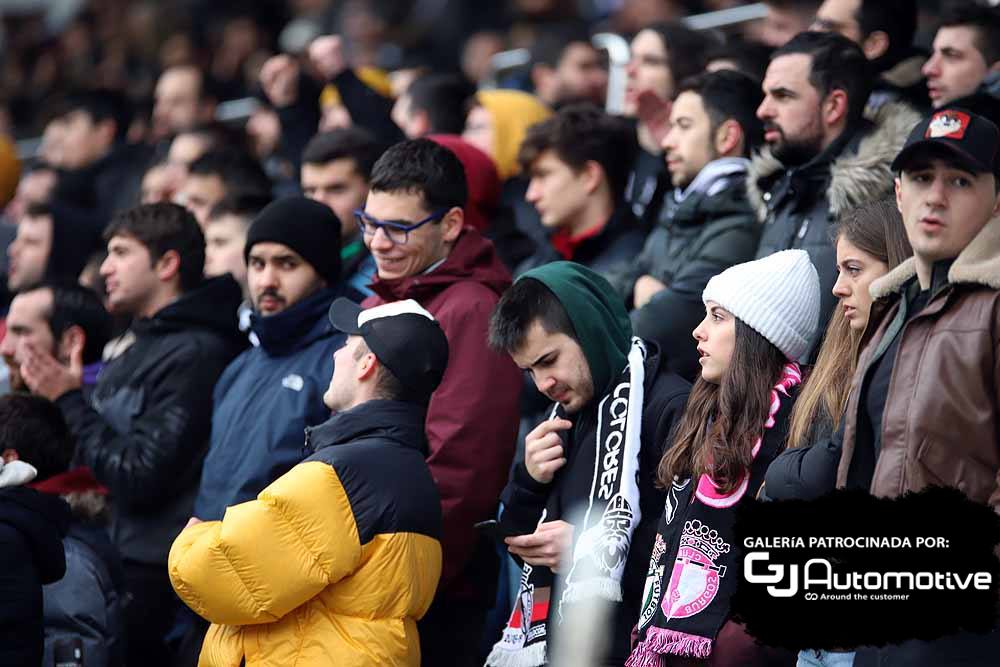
[
  {"x": 824, "y": 156},
  {"x": 274, "y": 390}
]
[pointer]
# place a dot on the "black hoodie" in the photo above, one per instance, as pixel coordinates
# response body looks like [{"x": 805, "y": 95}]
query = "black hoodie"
[
  {"x": 146, "y": 429},
  {"x": 32, "y": 526}
]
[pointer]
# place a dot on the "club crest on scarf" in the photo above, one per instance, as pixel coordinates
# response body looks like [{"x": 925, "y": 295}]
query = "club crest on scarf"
[
  {"x": 696, "y": 574},
  {"x": 653, "y": 588},
  {"x": 654, "y": 576},
  {"x": 695, "y": 546}
]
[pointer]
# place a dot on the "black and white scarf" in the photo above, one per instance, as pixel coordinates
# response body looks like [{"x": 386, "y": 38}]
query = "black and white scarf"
[
  {"x": 602, "y": 541},
  {"x": 694, "y": 566}
]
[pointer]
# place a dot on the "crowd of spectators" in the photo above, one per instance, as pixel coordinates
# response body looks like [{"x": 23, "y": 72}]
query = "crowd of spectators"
[{"x": 318, "y": 320}]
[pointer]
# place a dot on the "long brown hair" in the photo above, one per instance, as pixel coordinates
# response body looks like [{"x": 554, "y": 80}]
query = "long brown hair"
[
  {"x": 876, "y": 228},
  {"x": 722, "y": 422}
]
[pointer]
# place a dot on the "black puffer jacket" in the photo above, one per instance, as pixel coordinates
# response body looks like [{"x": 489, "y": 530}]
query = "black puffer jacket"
[
  {"x": 696, "y": 239},
  {"x": 798, "y": 205},
  {"x": 146, "y": 431},
  {"x": 32, "y": 526}
]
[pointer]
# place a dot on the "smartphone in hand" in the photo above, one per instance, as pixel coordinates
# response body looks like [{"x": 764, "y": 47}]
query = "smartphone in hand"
[{"x": 491, "y": 528}]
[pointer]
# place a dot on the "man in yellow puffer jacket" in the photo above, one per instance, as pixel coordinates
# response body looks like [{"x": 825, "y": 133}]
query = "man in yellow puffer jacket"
[{"x": 335, "y": 561}]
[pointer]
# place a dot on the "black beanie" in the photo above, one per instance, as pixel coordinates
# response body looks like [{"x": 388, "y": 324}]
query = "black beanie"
[{"x": 309, "y": 228}]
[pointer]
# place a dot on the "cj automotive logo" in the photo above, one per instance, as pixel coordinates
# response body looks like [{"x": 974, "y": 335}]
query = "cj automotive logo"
[{"x": 818, "y": 581}]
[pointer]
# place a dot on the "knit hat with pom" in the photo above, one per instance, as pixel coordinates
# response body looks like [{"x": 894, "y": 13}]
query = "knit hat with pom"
[{"x": 777, "y": 296}]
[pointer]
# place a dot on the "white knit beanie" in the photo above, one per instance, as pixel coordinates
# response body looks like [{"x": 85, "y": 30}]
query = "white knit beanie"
[{"x": 778, "y": 296}]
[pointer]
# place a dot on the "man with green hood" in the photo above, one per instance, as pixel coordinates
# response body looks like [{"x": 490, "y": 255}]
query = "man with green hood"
[{"x": 615, "y": 403}]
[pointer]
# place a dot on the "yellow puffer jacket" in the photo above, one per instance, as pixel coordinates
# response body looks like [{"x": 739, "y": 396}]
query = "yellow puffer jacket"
[{"x": 333, "y": 563}]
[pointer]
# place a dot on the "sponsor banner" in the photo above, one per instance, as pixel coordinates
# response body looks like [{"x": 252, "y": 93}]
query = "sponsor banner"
[{"x": 851, "y": 570}]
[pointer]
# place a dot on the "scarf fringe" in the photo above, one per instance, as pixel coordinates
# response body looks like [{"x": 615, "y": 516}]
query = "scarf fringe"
[
  {"x": 533, "y": 655},
  {"x": 605, "y": 587},
  {"x": 659, "y": 642},
  {"x": 643, "y": 656}
]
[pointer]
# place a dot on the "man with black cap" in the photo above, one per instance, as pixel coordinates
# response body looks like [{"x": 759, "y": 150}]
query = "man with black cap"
[
  {"x": 335, "y": 561},
  {"x": 924, "y": 409},
  {"x": 272, "y": 391}
]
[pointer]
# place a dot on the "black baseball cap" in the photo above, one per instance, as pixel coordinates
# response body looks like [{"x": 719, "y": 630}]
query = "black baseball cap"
[
  {"x": 971, "y": 139},
  {"x": 403, "y": 336}
]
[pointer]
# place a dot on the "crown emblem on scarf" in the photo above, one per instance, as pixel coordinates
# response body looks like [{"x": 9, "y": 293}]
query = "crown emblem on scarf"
[{"x": 698, "y": 536}]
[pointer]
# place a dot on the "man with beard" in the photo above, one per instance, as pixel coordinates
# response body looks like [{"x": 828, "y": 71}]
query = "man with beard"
[
  {"x": 271, "y": 392},
  {"x": 823, "y": 157}
]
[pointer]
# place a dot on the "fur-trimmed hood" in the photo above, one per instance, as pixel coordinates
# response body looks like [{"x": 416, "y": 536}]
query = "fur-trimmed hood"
[
  {"x": 855, "y": 176},
  {"x": 907, "y": 72},
  {"x": 978, "y": 264}
]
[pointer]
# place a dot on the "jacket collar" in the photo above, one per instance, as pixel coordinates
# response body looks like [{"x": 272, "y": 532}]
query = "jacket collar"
[
  {"x": 590, "y": 244},
  {"x": 906, "y": 72},
  {"x": 977, "y": 264},
  {"x": 856, "y": 176},
  {"x": 473, "y": 257},
  {"x": 211, "y": 305},
  {"x": 713, "y": 177},
  {"x": 391, "y": 420},
  {"x": 296, "y": 326},
  {"x": 698, "y": 209}
]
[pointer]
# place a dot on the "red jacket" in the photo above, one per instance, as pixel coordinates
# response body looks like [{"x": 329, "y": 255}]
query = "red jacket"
[{"x": 472, "y": 419}]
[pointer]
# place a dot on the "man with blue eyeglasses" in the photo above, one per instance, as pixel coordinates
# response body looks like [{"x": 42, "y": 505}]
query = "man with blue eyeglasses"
[{"x": 413, "y": 225}]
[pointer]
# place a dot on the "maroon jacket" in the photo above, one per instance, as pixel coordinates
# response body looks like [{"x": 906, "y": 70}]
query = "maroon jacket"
[{"x": 472, "y": 419}]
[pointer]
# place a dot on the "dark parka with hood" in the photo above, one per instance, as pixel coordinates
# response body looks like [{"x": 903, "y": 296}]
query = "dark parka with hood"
[
  {"x": 472, "y": 418},
  {"x": 605, "y": 346},
  {"x": 145, "y": 431},
  {"x": 797, "y": 205}
]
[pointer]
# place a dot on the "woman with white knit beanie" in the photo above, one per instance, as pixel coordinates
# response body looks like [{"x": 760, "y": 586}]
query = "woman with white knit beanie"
[{"x": 760, "y": 319}]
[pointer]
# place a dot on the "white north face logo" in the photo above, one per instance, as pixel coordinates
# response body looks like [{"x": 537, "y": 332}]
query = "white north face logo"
[{"x": 293, "y": 382}]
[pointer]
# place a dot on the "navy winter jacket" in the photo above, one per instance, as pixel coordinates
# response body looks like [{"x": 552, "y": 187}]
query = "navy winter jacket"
[{"x": 264, "y": 401}]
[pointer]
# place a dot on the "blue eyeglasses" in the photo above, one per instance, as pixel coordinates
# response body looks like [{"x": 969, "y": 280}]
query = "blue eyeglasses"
[{"x": 395, "y": 230}]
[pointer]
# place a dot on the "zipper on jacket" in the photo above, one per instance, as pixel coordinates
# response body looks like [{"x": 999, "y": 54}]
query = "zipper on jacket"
[{"x": 307, "y": 447}]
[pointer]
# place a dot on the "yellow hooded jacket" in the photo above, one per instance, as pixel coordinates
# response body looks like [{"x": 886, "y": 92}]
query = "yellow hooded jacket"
[
  {"x": 333, "y": 563},
  {"x": 512, "y": 112}
]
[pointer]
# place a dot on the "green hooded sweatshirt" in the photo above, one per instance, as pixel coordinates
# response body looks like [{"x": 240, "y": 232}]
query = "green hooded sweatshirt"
[{"x": 598, "y": 315}]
